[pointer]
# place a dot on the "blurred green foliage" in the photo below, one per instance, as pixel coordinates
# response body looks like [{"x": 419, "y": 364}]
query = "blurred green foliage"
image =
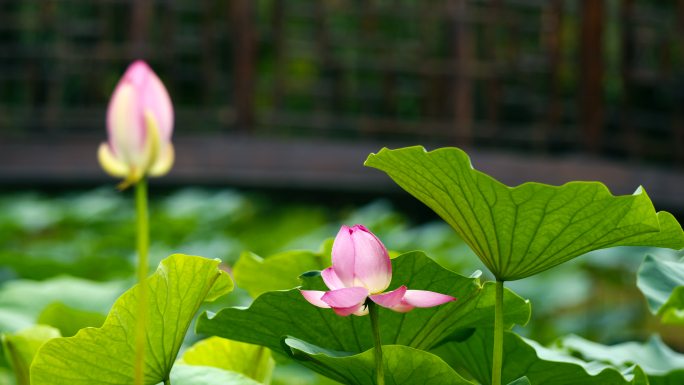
[
  {"x": 73, "y": 253},
  {"x": 90, "y": 234}
]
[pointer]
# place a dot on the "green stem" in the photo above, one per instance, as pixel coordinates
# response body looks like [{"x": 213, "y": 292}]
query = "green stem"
[
  {"x": 167, "y": 381},
  {"x": 497, "y": 358},
  {"x": 143, "y": 245},
  {"x": 379, "y": 366}
]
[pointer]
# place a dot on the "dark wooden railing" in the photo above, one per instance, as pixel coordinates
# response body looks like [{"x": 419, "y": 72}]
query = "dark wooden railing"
[{"x": 545, "y": 77}]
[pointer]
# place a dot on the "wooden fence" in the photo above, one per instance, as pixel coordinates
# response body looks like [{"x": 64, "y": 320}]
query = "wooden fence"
[{"x": 599, "y": 77}]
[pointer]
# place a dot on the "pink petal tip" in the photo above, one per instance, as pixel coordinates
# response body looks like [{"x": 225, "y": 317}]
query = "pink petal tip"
[
  {"x": 314, "y": 298},
  {"x": 425, "y": 298}
]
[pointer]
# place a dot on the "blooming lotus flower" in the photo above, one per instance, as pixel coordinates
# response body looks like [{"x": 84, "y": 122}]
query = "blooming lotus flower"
[
  {"x": 361, "y": 269},
  {"x": 139, "y": 127}
]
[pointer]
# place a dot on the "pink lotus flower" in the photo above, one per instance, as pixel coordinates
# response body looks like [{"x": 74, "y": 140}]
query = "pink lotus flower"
[
  {"x": 139, "y": 126},
  {"x": 361, "y": 269}
]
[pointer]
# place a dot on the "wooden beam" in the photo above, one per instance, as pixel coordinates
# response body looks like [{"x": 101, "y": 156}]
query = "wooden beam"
[
  {"x": 628, "y": 58},
  {"x": 278, "y": 16},
  {"x": 209, "y": 58},
  {"x": 312, "y": 164},
  {"x": 244, "y": 51},
  {"x": 493, "y": 35},
  {"x": 554, "y": 45},
  {"x": 141, "y": 14},
  {"x": 678, "y": 118},
  {"x": 463, "y": 88},
  {"x": 591, "y": 74}
]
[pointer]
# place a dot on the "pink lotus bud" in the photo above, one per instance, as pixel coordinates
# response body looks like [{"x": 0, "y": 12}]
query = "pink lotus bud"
[
  {"x": 360, "y": 259},
  {"x": 139, "y": 126},
  {"x": 361, "y": 269}
]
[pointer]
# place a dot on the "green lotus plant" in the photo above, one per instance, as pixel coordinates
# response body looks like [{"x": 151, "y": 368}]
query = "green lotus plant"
[
  {"x": 361, "y": 270},
  {"x": 310, "y": 307},
  {"x": 521, "y": 231},
  {"x": 139, "y": 124}
]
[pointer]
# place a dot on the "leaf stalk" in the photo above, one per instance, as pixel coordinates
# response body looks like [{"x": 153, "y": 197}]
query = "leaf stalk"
[
  {"x": 379, "y": 366},
  {"x": 143, "y": 245},
  {"x": 497, "y": 353}
]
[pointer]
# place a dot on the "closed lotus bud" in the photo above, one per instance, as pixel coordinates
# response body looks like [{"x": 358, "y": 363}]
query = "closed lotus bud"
[
  {"x": 139, "y": 127},
  {"x": 360, "y": 259}
]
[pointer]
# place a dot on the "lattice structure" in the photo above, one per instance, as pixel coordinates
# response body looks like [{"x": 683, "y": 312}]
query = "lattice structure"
[{"x": 604, "y": 77}]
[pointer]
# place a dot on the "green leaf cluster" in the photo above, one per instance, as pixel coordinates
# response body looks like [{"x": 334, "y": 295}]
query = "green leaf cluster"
[
  {"x": 340, "y": 347},
  {"x": 517, "y": 232},
  {"x": 277, "y": 314},
  {"x": 543, "y": 366}
]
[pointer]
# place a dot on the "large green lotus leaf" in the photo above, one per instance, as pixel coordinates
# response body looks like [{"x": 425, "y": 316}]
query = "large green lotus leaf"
[
  {"x": 280, "y": 271},
  {"x": 253, "y": 361},
  {"x": 21, "y": 347},
  {"x": 106, "y": 354},
  {"x": 523, "y": 357},
  {"x": 403, "y": 365},
  {"x": 662, "y": 365},
  {"x": 207, "y": 375},
  {"x": 274, "y": 315},
  {"x": 520, "y": 231},
  {"x": 22, "y": 301},
  {"x": 662, "y": 282}
]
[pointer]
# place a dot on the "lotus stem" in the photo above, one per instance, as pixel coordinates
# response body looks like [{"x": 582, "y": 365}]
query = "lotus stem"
[
  {"x": 143, "y": 245},
  {"x": 379, "y": 366},
  {"x": 497, "y": 354}
]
